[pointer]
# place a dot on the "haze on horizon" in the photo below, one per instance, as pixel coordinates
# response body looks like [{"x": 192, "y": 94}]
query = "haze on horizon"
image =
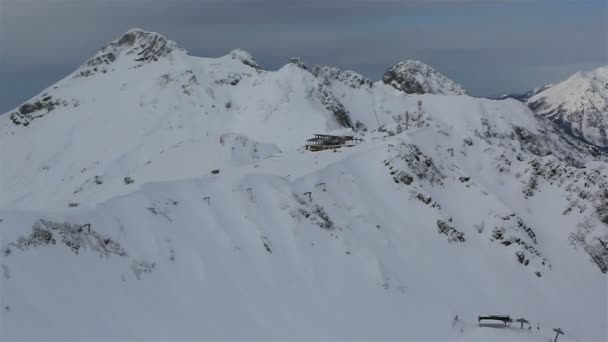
[{"x": 490, "y": 47}]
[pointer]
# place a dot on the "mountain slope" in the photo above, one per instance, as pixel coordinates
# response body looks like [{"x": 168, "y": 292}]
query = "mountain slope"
[
  {"x": 170, "y": 198},
  {"x": 138, "y": 119},
  {"x": 578, "y": 104}
]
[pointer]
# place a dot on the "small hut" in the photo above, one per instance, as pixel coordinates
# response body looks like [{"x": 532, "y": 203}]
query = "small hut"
[
  {"x": 327, "y": 142},
  {"x": 505, "y": 319}
]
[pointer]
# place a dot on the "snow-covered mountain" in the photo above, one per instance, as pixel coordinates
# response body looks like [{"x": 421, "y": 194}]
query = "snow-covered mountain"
[
  {"x": 415, "y": 77},
  {"x": 579, "y": 105},
  {"x": 156, "y": 195},
  {"x": 523, "y": 97}
]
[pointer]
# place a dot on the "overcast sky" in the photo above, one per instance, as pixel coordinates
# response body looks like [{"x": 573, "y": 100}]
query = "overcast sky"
[{"x": 490, "y": 47}]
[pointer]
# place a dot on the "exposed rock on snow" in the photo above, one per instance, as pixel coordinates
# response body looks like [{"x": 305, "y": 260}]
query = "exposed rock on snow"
[
  {"x": 347, "y": 77},
  {"x": 452, "y": 233},
  {"x": 36, "y": 108},
  {"x": 76, "y": 237},
  {"x": 409, "y": 164},
  {"x": 415, "y": 77},
  {"x": 135, "y": 45},
  {"x": 297, "y": 61},
  {"x": 245, "y": 58},
  {"x": 332, "y": 104}
]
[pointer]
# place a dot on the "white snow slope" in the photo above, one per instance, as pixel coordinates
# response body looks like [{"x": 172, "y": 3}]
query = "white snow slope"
[
  {"x": 579, "y": 104},
  {"x": 153, "y": 195}
]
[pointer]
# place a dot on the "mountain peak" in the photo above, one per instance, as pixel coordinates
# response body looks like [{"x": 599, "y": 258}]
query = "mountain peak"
[
  {"x": 146, "y": 44},
  {"x": 299, "y": 62},
  {"x": 350, "y": 78},
  {"x": 245, "y": 57},
  {"x": 578, "y": 104},
  {"x": 138, "y": 30},
  {"x": 416, "y": 77},
  {"x": 414, "y": 63},
  {"x": 136, "y": 46}
]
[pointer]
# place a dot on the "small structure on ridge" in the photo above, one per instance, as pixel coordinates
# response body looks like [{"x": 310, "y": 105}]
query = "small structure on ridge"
[
  {"x": 327, "y": 142},
  {"x": 505, "y": 319}
]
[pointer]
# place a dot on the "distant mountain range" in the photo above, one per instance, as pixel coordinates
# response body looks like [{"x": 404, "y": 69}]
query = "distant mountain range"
[
  {"x": 523, "y": 97},
  {"x": 579, "y": 105}
]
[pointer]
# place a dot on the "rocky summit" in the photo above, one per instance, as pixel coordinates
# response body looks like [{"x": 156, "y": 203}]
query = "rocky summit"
[{"x": 415, "y": 77}]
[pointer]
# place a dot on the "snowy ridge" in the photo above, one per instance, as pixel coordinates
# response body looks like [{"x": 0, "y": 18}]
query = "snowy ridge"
[
  {"x": 579, "y": 104},
  {"x": 244, "y": 57},
  {"x": 523, "y": 97},
  {"x": 350, "y": 78},
  {"x": 176, "y": 195},
  {"x": 330, "y": 75},
  {"x": 415, "y": 77},
  {"x": 136, "y": 45}
]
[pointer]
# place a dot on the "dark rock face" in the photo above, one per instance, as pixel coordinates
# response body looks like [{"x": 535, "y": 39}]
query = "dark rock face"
[
  {"x": 542, "y": 145},
  {"x": 410, "y": 164},
  {"x": 532, "y": 142},
  {"x": 415, "y": 77},
  {"x": 141, "y": 46},
  {"x": 589, "y": 126},
  {"x": 587, "y": 194},
  {"x": 511, "y": 231},
  {"x": 145, "y": 46},
  {"x": 97, "y": 63},
  {"x": 314, "y": 213},
  {"x": 452, "y": 233},
  {"x": 404, "y": 82},
  {"x": 245, "y": 58},
  {"x": 329, "y": 75},
  {"x": 127, "y": 39},
  {"x": 597, "y": 249},
  {"x": 35, "y": 109},
  {"x": 333, "y": 105},
  {"x": 298, "y": 62},
  {"x": 152, "y": 49},
  {"x": 76, "y": 237},
  {"x": 323, "y": 92}
]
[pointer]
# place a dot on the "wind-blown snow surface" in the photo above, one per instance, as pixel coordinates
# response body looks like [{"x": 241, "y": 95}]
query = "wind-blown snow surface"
[
  {"x": 478, "y": 207},
  {"x": 579, "y": 104}
]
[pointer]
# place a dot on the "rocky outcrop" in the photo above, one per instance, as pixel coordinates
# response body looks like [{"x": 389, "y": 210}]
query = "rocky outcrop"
[
  {"x": 415, "y": 77},
  {"x": 332, "y": 104},
  {"x": 329, "y": 75},
  {"x": 245, "y": 58},
  {"x": 138, "y": 45},
  {"x": 75, "y": 237},
  {"x": 36, "y": 108}
]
